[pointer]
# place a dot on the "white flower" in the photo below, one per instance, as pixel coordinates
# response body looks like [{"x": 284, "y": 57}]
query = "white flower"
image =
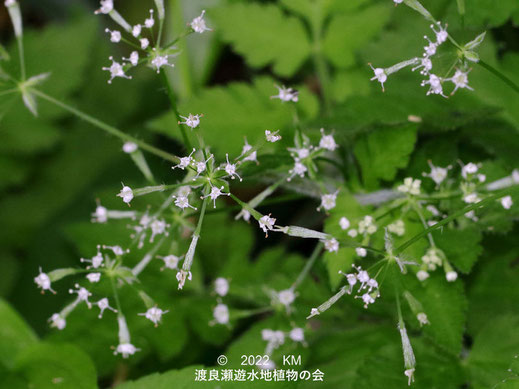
[
  {"x": 367, "y": 225},
  {"x": 469, "y": 169},
  {"x": 441, "y": 34},
  {"x": 397, "y": 228},
  {"x": 191, "y": 120},
  {"x": 272, "y": 136},
  {"x": 170, "y": 261},
  {"x": 430, "y": 49},
  {"x": 344, "y": 223},
  {"x": 432, "y": 259},
  {"x": 422, "y": 275},
  {"x": 299, "y": 169},
  {"x": 100, "y": 215},
  {"x": 353, "y": 233},
  {"x": 106, "y": 7},
  {"x": 327, "y": 142},
  {"x": 150, "y": 22},
  {"x": 184, "y": 161},
  {"x": 126, "y": 349},
  {"x": 144, "y": 43},
  {"x": 471, "y": 198},
  {"x": 252, "y": 156},
  {"x": 286, "y": 297},
  {"x": 103, "y": 304},
  {"x": 43, "y": 282},
  {"x": 159, "y": 61},
  {"x": 297, "y": 335},
  {"x": 182, "y": 202},
  {"x": 331, "y": 245},
  {"x": 437, "y": 174},
  {"x": 380, "y": 75},
  {"x": 136, "y": 30},
  {"x": 215, "y": 193},
  {"x": 57, "y": 321},
  {"x": 398, "y": 2},
  {"x": 126, "y": 194},
  {"x": 266, "y": 223},
  {"x": 410, "y": 186},
  {"x": 507, "y": 202},
  {"x": 116, "y": 70},
  {"x": 425, "y": 65},
  {"x": 198, "y": 24},
  {"x": 367, "y": 299},
  {"x": 460, "y": 80},
  {"x": 451, "y": 276},
  {"x": 221, "y": 314},
  {"x": 96, "y": 261},
  {"x": 129, "y": 147},
  {"x": 409, "y": 373},
  {"x": 158, "y": 227},
  {"x": 361, "y": 251},
  {"x": 328, "y": 201},
  {"x": 9, "y": 3},
  {"x": 230, "y": 168},
  {"x": 115, "y": 36},
  {"x": 482, "y": 177},
  {"x": 82, "y": 294},
  {"x": 182, "y": 275},
  {"x": 221, "y": 286},
  {"x": 435, "y": 85},
  {"x": 154, "y": 314},
  {"x": 117, "y": 250},
  {"x": 93, "y": 277},
  {"x": 201, "y": 167},
  {"x": 286, "y": 94},
  {"x": 422, "y": 318}
]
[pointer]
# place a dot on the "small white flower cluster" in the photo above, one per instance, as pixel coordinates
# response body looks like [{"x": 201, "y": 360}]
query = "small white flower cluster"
[
  {"x": 425, "y": 64},
  {"x": 397, "y": 228},
  {"x": 154, "y": 314},
  {"x": 410, "y": 186},
  {"x": 433, "y": 259},
  {"x": 471, "y": 179},
  {"x": 437, "y": 174},
  {"x": 147, "y": 223},
  {"x": 368, "y": 290},
  {"x": 221, "y": 311},
  {"x": 276, "y": 338},
  {"x": 141, "y": 36},
  {"x": 285, "y": 298},
  {"x": 286, "y": 94}
]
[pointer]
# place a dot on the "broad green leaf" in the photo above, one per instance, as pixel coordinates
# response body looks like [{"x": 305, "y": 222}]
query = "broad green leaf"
[
  {"x": 384, "y": 151},
  {"x": 15, "y": 335},
  {"x": 483, "y": 13},
  {"x": 462, "y": 247},
  {"x": 445, "y": 305},
  {"x": 181, "y": 379},
  {"x": 493, "y": 350},
  {"x": 349, "y": 32},
  {"x": 264, "y": 35},
  {"x": 238, "y": 110},
  {"x": 53, "y": 365}
]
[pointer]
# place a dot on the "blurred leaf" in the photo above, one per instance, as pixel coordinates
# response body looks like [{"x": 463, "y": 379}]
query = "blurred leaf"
[
  {"x": 483, "y": 13},
  {"x": 15, "y": 335},
  {"x": 51, "y": 366},
  {"x": 384, "y": 151},
  {"x": 12, "y": 172},
  {"x": 263, "y": 35},
  {"x": 445, "y": 305},
  {"x": 349, "y": 32},
  {"x": 494, "y": 348},
  {"x": 181, "y": 379},
  {"x": 462, "y": 247}
]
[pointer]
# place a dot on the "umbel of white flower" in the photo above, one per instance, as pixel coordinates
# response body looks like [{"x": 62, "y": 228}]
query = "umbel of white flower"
[
  {"x": 154, "y": 314},
  {"x": 198, "y": 24}
]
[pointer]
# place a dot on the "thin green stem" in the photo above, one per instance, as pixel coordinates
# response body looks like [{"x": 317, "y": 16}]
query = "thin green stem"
[
  {"x": 317, "y": 251},
  {"x": 499, "y": 75},
  {"x": 108, "y": 128},
  {"x": 173, "y": 103},
  {"x": 22, "y": 56}
]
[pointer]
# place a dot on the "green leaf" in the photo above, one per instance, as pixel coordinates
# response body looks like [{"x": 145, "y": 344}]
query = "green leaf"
[
  {"x": 384, "y": 151},
  {"x": 181, "y": 379},
  {"x": 52, "y": 366},
  {"x": 475, "y": 42},
  {"x": 239, "y": 110},
  {"x": 493, "y": 350},
  {"x": 349, "y": 32},
  {"x": 445, "y": 305},
  {"x": 462, "y": 247},
  {"x": 15, "y": 334},
  {"x": 263, "y": 35},
  {"x": 484, "y": 13}
]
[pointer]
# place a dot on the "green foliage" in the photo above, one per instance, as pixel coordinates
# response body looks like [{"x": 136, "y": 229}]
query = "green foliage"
[
  {"x": 382, "y": 152},
  {"x": 254, "y": 30},
  {"x": 462, "y": 247}
]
